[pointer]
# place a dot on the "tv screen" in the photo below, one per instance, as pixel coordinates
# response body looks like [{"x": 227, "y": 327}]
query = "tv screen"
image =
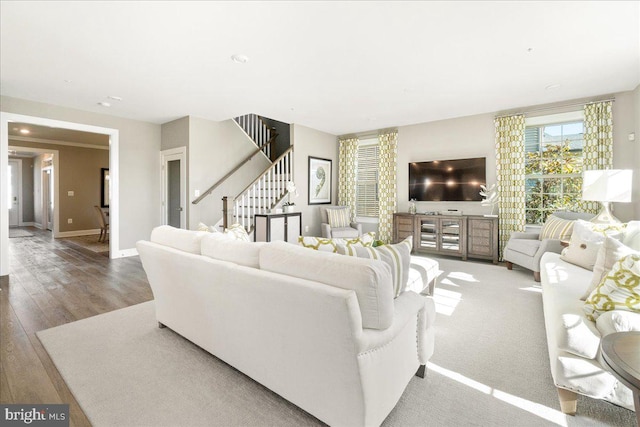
[{"x": 447, "y": 180}]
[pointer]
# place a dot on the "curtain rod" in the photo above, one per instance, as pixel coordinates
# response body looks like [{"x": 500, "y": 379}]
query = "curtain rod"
[{"x": 575, "y": 104}]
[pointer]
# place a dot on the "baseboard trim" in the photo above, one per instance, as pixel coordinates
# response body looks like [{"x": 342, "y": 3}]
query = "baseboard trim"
[
  {"x": 28, "y": 224},
  {"x": 78, "y": 233},
  {"x": 126, "y": 253},
  {"x": 38, "y": 225}
]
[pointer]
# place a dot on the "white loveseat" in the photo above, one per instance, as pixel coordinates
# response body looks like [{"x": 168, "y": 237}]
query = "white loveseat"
[
  {"x": 573, "y": 340},
  {"x": 321, "y": 330}
]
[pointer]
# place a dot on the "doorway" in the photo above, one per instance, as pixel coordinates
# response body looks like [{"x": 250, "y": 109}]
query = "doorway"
[
  {"x": 15, "y": 193},
  {"x": 174, "y": 187},
  {"x": 47, "y": 198}
]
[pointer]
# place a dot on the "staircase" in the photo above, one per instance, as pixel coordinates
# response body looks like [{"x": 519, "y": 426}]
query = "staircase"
[{"x": 268, "y": 189}]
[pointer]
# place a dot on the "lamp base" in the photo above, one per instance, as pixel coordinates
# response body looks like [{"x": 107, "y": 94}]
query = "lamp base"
[{"x": 605, "y": 216}]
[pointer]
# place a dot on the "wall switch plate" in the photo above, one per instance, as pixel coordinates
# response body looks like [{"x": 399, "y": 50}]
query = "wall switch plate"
[
  {"x": 70, "y": 193},
  {"x": 70, "y": 221},
  {"x": 306, "y": 228},
  {"x": 196, "y": 193}
]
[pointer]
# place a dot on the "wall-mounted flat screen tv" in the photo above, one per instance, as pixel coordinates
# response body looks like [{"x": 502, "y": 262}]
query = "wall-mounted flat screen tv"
[{"x": 447, "y": 180}]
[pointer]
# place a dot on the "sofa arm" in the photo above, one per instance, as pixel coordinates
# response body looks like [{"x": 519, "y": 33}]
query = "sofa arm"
[
  {"x": 325, "y": 230},
  {"x": 358, "y": 227},
  {"x": 523, "y": 235}
]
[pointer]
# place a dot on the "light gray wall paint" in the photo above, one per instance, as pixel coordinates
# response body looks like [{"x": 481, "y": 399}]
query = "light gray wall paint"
[
  {"x": 138, "y": 163},
  {"x": 27, "y": 188},
  {"x": 625, "y": 152},
  {"x": 215, "y": 148},
  {"x": 310, "y": 142},
  {"x": 175, "y": 134}
]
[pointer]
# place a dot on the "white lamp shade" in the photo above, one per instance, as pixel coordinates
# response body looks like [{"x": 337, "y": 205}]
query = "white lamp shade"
[{"x": 611, "y": 185}]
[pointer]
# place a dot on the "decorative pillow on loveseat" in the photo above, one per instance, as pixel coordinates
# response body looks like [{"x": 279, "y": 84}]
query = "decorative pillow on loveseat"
[
  {"x": 586, "y": 239},
  {"x": 619, "y": 290},
  {"x": 238, "y": 232},
  {"x": 556, "y": 228},
  {"x": 397, "y": 257},
  {"x": 331, "y": 245},
  {"x": 339, "y": 217}
]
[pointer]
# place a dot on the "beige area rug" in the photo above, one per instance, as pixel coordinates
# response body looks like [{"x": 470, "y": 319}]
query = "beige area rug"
[
  {"x": 490, "y": 367},
  {"x": 89, "y": 242}
]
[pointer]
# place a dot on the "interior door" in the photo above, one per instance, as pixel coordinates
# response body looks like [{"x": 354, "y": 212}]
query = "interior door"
[
  {"x": 14, "y": 219},
  {"x": 47, "y": 199},
  {"x": 174, "y": 185}
]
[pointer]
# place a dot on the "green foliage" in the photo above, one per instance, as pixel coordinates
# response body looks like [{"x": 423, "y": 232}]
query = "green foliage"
[{"x": 548, "y": 194}]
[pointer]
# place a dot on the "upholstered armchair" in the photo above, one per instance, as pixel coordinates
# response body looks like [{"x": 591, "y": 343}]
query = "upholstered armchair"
[
  {"x": 346, "y": 230},
  {"x": 526, "y": 249}
]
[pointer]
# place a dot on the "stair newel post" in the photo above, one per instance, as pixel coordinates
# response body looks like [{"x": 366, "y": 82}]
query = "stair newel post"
[{"x": 225, "y": 212}]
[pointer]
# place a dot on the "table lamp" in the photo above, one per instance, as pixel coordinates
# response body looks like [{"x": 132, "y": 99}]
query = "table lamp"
[{"x": 606, "y": 186}]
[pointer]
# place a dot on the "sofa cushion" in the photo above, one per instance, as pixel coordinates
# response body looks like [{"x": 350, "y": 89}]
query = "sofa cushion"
[
  {"x": 370, "y": 279},
  {"x": 331, "y": 245},
  {"x": 618, "y": 321},
  {"x": 208, "y": 228},
  {"x": 422, "y": 272},
  {"x": 608, "y": 254},
  {"x": 619, "y": 290},
  {"x": 345, "y": 233},
  {"x": 339, "y": 217},
  {"x": 631, "y": 237},
  {"x": 528, "y": 247},
  {"x": 397, "y": 257},
  {"x": 222, "y": 247},
  {"x": 556, "y": 228},
  {"x": 586, "y": 240},
  {"x": 177, "y": 238},
  {"x": 580, "y": 337}
]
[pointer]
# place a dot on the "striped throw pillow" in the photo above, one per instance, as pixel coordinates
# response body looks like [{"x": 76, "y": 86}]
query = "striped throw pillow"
[
  {"x": 339, "y": 218},
  {"x": 397, "y": 256},
  {"x": 557, "y": 228}
]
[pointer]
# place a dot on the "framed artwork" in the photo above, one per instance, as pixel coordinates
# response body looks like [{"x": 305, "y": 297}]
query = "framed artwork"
[
  {"x": 319, "y": 181},
  {"x": 104, "y": 187}
]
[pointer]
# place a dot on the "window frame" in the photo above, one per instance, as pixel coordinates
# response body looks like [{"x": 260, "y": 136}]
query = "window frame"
[{"x": 367, "y": 142}]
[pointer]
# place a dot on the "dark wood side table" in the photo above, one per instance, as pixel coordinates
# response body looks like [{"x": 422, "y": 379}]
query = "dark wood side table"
[{"x": 621, "y": 352}]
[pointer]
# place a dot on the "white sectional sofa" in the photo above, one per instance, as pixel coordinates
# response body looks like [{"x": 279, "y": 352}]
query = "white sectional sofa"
[
  {"x": 321, "y": 330},
  {"x": 574, "y": 341}
]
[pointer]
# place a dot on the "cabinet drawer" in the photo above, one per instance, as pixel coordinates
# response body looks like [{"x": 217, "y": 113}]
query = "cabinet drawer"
[
  {"x": 478, "y": 224},
  {"x": 480, "y": 232},
  {"x": 405, "y": 227}
]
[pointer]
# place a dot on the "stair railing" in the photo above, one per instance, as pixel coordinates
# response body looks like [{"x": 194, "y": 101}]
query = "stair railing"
[
  {"x": 264, "y": 193},
  {"x": 255, "y": 127}
]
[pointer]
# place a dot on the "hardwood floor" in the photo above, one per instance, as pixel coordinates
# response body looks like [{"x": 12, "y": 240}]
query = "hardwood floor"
[{"x": 50, "y": 283}]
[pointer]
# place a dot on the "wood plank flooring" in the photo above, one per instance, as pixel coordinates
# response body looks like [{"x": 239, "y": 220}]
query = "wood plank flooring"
[{"x": 50, "y": 283}]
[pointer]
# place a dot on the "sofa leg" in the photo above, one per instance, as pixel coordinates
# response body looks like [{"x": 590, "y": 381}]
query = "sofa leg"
[
  {"x": 421, "y": 371},
  {"x": 536, "y": 276},
  {"x": 568, "y": 401},
  {"x": 161, "y": 326},
  {"x": 509, "y": 265}
]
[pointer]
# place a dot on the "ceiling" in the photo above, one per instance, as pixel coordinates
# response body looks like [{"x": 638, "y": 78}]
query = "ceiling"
[
  {"x": 339, "y": 67},
  {"x": 39, "y": 133}
]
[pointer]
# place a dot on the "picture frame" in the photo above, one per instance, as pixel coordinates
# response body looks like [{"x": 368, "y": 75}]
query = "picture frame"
[
  {"x": 104, "y": 187},
  {"x": 319, "y": 181}
]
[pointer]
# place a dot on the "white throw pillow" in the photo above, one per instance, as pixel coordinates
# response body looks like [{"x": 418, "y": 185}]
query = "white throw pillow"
[
  {"x": 586, "y": 240},
  {"x": 397, "y": 257},
  {"x": 608, "y": 254},
  {"x": 618, "y": 321},
  {"x": 619, "y": 290},
  {"x": 177, "y": 238},
  {"x": 631, "y": 236},
  {"x": 238, "y": 232},
  {"x": 204, "y": 227}
]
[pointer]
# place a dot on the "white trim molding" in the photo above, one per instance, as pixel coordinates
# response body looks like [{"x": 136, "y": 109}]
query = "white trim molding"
[{"x": 77, "y": 233}]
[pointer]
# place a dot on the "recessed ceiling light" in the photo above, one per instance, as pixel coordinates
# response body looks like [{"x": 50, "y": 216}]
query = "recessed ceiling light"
[
  {"x": 104, "y": 104},
  {"x": 553, "y": 86},
  {"x": 68, "y": 80},
  {"x": 24, "y": 131},
  {"x": 240, "y": 59},
  {"x": 115, "y": 98},
  {"x": 530, "y": 49}
]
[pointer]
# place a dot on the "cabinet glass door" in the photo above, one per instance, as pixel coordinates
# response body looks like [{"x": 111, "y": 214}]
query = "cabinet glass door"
[
  {"x": 429, "y": 234},
  {"x": 451, "y": 235}
]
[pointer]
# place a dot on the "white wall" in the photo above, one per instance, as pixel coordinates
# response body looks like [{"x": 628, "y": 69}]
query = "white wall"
[
  {"x": 215, "y": 148},
  {"x": 465, "y": 137},
  {"x": 139, "y": 168},
  {"x": 310, "y": 142}
]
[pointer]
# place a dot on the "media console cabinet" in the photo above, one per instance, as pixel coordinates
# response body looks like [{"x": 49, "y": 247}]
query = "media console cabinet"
[{"x": 472, "y": 236}]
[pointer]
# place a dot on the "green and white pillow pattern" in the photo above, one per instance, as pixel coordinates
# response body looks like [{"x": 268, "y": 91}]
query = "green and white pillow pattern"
[
  {"x": 619, "y": 290},
  {"x": 237, "y": 232},
  {"x": 397, "y": 257},
  {"x": 609, "y": 253},
  {"x": 331, "y": 245},
  {"x": 586, "y": 239},
  {"x": 556, "y": 228},
  {"x": 339, "y": 217}
]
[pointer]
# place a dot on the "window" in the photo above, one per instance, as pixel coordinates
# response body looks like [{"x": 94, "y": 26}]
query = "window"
[
  {"x": 367, "y": 179},
  {"x": 553, "y": 168}
]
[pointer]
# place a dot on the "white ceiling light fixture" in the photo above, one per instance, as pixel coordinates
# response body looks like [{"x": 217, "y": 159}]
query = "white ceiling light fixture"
[
  {"x": 25, "y": 131},
  {"x": 240, "y": 59},
  {"x": 104, "y": 104},
  {"x": 115, "y": 98}
]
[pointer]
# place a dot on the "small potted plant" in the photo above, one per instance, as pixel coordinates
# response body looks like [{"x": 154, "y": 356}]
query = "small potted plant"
[{"x": 289, "y": 206}]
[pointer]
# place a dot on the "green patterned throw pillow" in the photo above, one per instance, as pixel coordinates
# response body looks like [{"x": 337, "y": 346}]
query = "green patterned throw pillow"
[
  {"x": 619, "y": 290},
  {"x": 397, "y": 257},
  {"x": 331, "y": 245}
]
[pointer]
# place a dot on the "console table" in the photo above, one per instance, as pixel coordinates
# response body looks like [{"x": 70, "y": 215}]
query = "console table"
[
  {"x": 472, "y": 236},
  {"x": 281, "y": 226}
]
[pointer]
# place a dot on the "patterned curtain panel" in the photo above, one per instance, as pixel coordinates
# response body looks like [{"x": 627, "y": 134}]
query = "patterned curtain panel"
[
  {"x": 387, "y": 194},
  {"x": 510, "y": 157},
  {"x": 598, "y": 143},
  {"x": 347, "y": 170}
]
